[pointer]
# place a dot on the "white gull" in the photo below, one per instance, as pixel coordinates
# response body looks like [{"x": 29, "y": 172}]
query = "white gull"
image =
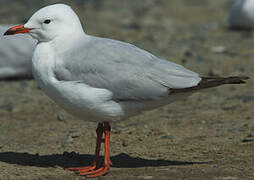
[{"x": 102, "y": 80}]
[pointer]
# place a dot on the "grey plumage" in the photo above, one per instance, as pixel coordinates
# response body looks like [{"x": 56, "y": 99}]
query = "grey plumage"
[{"x": 126, "y": 70}]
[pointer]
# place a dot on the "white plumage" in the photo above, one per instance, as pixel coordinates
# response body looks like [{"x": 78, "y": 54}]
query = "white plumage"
[{"x": 96, "y": 78}]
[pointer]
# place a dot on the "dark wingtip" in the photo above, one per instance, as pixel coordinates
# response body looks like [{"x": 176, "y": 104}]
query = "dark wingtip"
[
  {"x": 209, "y": 82},
  {"x": 228, "y": 80}
]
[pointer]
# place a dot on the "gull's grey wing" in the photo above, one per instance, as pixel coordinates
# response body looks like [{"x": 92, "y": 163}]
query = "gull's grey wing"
[{"x": 127, "y": 71}]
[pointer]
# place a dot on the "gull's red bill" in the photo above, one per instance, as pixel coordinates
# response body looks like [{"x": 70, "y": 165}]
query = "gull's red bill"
[{"x": 17, "y": 30}]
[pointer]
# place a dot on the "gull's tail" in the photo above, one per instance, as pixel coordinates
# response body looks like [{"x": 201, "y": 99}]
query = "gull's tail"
[{"x": 208, "y": 82}]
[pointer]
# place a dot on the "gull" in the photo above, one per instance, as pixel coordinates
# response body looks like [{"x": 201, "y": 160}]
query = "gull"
[
  {"x": 15, "y": 55},
  {"x": 102, "y": 80},
  {"x": 242, "y": 14}
]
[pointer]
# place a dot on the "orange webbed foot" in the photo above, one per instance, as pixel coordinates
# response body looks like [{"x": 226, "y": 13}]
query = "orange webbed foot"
[
  {"x": 82, "y": 169},
  {"x": 95, "y": 173}
]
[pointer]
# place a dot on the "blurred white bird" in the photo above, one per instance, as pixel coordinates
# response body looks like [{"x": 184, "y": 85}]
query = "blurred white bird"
[
  {"x": 16, "y": 55},
  {"x": 242, "y": 14},
  {"x": 102, "y": 80}
]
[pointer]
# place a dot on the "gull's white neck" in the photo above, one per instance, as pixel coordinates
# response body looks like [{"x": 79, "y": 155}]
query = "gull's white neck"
[
  {"x": 43, "y": 64},
  {"x": 47, "y": 56}
]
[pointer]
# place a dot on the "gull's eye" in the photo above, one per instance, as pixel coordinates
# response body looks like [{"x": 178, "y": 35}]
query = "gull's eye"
[{"x": 47, "y": 21}]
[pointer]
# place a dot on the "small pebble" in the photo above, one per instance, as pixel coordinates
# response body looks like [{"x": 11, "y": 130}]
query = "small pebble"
[
  {"x": 188, "y": 53},
  {"x": 134, "y": 26},
  {"x": 75, "y": 134},
  {"x": 219, "y": 49},
  {"x": 145, "y": 177},
  {"x": 60, "y": 117},
  {"x": 169, "y": 136},
  {"x": 124, "y": 143},
  {"x": 68, "y": 140}
]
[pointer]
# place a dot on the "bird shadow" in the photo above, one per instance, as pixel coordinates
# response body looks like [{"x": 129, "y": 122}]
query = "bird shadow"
[{"x": 73, "y": 159}]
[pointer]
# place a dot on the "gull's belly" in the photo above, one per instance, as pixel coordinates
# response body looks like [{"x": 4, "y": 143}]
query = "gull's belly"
[{"x": 83, "y": 102}]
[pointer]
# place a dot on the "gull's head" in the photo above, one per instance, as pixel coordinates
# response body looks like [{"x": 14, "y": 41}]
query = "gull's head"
[{"x": 50, "y": 22}]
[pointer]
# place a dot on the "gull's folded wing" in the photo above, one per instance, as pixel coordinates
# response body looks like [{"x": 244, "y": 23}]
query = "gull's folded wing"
[{"x": 127, "y": 71}]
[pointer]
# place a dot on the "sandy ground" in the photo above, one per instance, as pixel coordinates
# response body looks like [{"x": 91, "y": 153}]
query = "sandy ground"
[{"x": 208, "y": 136}]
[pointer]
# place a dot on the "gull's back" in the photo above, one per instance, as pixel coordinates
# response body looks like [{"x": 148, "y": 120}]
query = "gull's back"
[{"x": 129, "y": 72}]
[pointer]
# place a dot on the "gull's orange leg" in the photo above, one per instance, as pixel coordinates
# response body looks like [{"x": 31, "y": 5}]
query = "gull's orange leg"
[
  {"x": 107, "y": 162},
  {"x": 95, "y": 163}
]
